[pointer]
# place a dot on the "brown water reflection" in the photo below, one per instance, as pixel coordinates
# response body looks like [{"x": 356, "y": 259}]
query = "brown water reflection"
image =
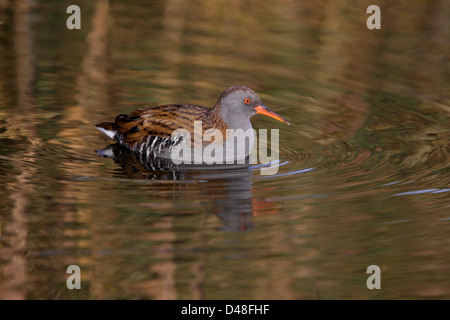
[{"x": 363, "y": 176}]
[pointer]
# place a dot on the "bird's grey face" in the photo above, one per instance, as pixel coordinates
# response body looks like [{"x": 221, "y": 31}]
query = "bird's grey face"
[{"x": 242, "y": 102}]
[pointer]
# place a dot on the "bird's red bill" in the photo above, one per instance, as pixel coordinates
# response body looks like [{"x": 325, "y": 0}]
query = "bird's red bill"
[{"x": 262, "y": 109}]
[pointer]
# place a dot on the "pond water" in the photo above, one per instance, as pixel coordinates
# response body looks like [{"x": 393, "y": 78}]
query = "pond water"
[{"x": 363, "y": 175}]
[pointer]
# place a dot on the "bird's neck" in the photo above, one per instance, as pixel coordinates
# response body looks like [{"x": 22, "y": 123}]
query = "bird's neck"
[
  {"x": 242, "y": 135},
  {"x": 232, "y": 120}
]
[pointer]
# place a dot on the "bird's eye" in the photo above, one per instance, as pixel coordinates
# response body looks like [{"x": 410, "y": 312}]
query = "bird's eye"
[{"x": 247, "y": 101}]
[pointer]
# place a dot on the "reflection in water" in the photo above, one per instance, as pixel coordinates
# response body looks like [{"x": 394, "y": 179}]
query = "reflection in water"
[
  {"x": 229, "y": 186},
  {"x": 16, "y": 232}
]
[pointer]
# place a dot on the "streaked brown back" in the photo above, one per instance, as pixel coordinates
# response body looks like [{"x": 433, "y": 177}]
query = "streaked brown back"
[{"x": 161, "y": 121}]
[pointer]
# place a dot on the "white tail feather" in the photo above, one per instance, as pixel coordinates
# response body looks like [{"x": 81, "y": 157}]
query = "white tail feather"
[{"x": 109, "y": 133}]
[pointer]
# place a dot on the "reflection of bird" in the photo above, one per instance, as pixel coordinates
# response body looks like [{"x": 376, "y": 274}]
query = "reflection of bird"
[
  {"x": 137, "y": 166},
  {"x": 149, "y": 130},
  {"x": 228, "y": 188}
]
